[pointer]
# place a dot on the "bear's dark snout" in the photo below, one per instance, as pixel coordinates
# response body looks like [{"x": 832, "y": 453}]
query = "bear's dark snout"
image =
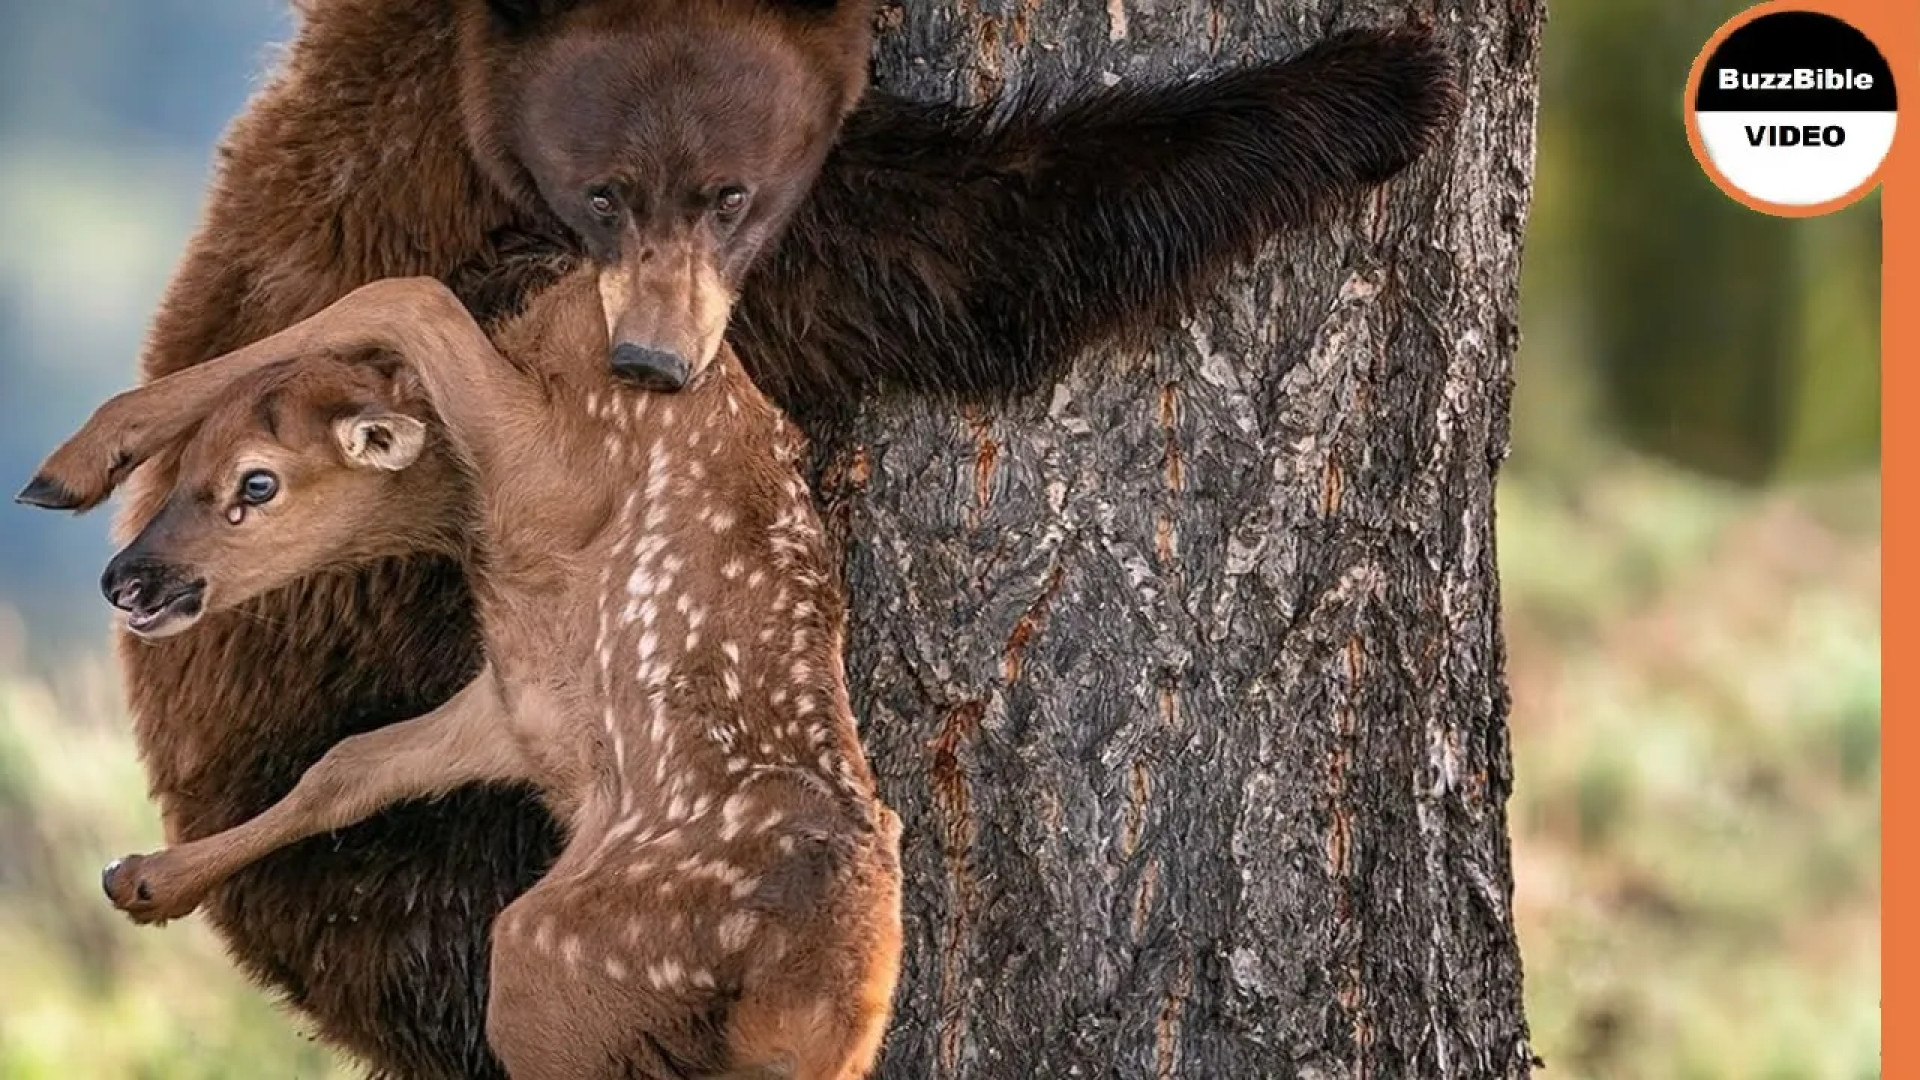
[{"x": 653, "y": 369}]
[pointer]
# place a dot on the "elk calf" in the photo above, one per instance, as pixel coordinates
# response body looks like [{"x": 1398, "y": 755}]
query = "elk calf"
[
  {"x": 304, "y": 466},
  {"x": 663, "y": 641}
]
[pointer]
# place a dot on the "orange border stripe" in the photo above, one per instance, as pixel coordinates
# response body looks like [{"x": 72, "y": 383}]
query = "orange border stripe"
[{"x": 1895, "y": 26}]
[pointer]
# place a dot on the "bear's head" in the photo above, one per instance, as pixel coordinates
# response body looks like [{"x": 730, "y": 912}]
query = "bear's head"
[{"x": 673, "y": 138}]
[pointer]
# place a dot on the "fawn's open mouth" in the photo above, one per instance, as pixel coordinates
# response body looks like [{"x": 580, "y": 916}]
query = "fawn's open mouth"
[{"x": 170, "y": 612}]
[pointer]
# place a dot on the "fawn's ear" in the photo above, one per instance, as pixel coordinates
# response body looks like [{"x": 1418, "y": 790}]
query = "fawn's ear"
[{"x": 380, "y": 440}]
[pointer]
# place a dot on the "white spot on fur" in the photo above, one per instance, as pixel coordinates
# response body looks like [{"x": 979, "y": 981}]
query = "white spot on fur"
[
  {"x": 666, "y": 975},
  {"x": 733, "y": 814},
  {"x": 657, "y": 475},
  {"x": 736, "y": 930}
]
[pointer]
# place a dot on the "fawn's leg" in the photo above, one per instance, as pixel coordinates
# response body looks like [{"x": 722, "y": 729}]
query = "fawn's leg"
[
  {"x": 596, "y": 975},
  {"x": 467, "y": 740},
  {"x": 417, "y": 318}
]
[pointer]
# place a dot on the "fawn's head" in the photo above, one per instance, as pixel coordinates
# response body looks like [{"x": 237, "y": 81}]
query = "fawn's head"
[{"x": 311, "y": 464}]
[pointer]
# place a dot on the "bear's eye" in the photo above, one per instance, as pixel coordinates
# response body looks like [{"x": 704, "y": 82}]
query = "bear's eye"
[
  {"x": 258, "y": 486},
  {"x": 602, "y": 203},
  {"x": 730, "y": 201}
]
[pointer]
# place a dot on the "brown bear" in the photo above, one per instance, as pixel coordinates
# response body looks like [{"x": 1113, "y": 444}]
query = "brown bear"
[{"x": 937, "y": 250}]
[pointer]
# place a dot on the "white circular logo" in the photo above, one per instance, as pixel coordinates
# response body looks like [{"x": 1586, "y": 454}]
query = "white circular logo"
[{"x": 1792, "y": 112}]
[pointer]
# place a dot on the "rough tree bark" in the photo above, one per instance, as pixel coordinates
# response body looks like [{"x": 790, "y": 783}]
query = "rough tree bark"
[{"x": 1187, "y": 679}]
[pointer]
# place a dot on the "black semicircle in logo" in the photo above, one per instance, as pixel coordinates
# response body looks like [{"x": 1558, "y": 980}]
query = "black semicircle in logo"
[{"x": 1774, "y": 49}]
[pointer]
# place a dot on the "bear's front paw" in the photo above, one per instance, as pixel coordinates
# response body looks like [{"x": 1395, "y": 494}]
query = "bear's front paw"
[{"x": 148, "y": 889}]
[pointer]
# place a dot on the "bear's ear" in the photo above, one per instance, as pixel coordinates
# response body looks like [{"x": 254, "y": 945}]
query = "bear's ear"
[{"x": 514, "y": 16}]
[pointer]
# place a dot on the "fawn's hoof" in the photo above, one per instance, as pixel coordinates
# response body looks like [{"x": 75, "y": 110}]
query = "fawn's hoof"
[
  {"x": 47, "y": 493},
  {"x": 129, "y": 884}
]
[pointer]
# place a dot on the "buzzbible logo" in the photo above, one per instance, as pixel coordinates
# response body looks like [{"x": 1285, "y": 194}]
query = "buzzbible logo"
[{"x": 1791, "y": 112}]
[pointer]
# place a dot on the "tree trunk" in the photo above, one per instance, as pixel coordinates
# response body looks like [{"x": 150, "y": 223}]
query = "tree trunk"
[{"x": 1186, "y": 677}]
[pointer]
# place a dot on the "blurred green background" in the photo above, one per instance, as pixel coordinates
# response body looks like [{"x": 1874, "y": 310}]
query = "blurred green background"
[{"x": 1689, "y": 536}]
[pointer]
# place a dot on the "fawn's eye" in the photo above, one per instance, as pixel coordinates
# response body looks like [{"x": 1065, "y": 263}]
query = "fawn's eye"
[
  {"x": 730, "y": 201},
  {"x": 602, "y": 203},
  {"x": 258, "y": 486}
]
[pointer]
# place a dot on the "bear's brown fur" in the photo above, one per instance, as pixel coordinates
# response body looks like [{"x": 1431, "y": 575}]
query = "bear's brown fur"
[{"x": 940, "y": 249}]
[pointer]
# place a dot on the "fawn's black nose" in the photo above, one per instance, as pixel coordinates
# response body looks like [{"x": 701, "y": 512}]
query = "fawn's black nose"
[
  {"x": 123, "y": 582},
  {"x": 654, "y": 369},
  {"x": 159, "y": 598}
]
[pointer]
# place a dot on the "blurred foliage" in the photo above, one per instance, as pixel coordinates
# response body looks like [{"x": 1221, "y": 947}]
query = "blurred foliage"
[
  {"x": 87, "y": 995},
  {"x": 1689, "y": 552},
  {"x": 1688, "y": 536},
  {"x": 1696, "y": 698},
  {"x": 1726, "y": 341}
]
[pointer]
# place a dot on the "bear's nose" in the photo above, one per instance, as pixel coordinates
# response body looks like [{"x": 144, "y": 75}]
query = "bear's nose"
[{"x": 654, "y": 369}]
